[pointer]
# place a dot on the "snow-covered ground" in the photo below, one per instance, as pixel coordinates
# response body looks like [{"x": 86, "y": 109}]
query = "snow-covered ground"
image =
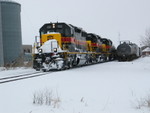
[{"x": 113, "y": 87}]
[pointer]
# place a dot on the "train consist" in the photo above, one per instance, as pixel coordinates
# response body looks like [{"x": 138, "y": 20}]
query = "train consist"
[
  {"x": 128, "y": 51},
  {"x": 63, "y": 46}
]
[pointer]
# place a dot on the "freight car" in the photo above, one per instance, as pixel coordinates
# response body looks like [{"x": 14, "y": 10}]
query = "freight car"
[
  {"x": 128, "y": 51},
  {"x": 63, "y": 46}
]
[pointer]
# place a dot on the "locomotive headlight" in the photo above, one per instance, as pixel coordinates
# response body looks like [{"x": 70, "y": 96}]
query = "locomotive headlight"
[
  {"x": 53, "y": 25},
  {"x": 55, "y": 49},
  {"x": 40, "y": 50}
]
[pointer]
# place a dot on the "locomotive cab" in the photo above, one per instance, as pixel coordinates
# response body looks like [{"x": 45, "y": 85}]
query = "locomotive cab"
[
  {"x": 94, "y": 42},
  {"x": 61, "y": 32}
]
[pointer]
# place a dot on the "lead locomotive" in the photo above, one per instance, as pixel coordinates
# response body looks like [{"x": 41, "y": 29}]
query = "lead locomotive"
[{"x": 64, "y": 46}]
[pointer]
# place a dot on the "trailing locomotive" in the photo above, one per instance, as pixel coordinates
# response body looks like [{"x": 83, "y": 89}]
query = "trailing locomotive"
[
  {"x": 128, "y": 51},
  {"x": 64, "y": 46}
]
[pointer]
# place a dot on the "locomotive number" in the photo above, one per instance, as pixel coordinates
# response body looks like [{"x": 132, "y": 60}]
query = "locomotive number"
[{"x": 50, "y": 37}]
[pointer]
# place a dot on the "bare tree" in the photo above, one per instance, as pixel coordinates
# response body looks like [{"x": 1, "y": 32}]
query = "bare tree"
[{"x": 145, "y": 40}]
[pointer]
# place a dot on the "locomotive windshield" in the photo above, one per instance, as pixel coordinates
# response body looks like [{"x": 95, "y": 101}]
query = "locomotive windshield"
[
  {"x": 106, "y": 41},
  {"x": 92, "y": 37},
  {"x": 63, "y": 29}
]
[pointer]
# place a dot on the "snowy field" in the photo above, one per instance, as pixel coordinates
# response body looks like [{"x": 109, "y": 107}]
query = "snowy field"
[{"x": 113, "y": 87}]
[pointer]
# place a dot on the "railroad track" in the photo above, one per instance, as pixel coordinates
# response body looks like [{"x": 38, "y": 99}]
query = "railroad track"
[
  {"x": 22, "y": 76},
  {"x": 31, "y": 75}
]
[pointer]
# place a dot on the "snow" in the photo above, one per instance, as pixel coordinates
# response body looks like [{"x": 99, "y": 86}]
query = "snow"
[
  {"x": 112, "y": 87},
  {"x": 50, "y": 45}
]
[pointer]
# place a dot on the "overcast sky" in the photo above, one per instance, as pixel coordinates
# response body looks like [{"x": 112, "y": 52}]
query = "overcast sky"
[{"x": 113, "y": 19}]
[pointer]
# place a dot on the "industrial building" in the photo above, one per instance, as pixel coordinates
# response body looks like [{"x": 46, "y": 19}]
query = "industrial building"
[
  {"x": 146, "y": 51},
  {"x": 27, "y": 51},
  {"x": 10, "y": 32}
]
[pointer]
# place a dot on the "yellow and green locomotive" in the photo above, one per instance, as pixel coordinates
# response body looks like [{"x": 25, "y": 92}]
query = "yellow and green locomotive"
[{"x": 64, "y": 46}]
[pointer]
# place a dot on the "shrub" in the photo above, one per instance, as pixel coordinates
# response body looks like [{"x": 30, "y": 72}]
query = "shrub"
[
  {"x": 143, "y": 102},
  {"x": 46, "y": 97}
]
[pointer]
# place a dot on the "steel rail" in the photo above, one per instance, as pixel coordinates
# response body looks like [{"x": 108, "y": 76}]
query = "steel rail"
[
  {"x": 18, "y": 76},
  {"x": 26, "y": 76}
]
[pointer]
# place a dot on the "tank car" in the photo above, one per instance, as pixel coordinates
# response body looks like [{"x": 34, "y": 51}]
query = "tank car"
[{"x": 127, "y": 51}]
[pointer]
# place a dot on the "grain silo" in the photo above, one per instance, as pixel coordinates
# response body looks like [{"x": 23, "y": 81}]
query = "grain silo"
[{"x": 10, "y": 31}]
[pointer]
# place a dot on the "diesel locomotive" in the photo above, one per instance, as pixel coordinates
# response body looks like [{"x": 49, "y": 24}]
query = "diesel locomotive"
[
  {"x": 128, "y": 51},
  {"x": 62, "y": 46}
]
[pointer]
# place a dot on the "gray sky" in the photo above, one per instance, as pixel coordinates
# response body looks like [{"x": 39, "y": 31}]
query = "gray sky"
[{"x": 107, "y": 18}]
